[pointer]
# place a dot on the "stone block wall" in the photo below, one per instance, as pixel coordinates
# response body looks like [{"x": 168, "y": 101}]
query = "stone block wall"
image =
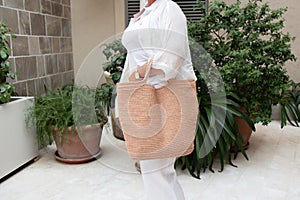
[{"x": 42, "y": 52}]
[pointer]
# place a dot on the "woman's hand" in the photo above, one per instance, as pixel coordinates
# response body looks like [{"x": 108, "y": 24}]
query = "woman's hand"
[{"x": 139, "y": 74}]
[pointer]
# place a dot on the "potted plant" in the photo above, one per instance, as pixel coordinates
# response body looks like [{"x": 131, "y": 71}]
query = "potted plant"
[
  {"x": 17, "y": 142},
  {"x": 115, "y": 54},
  {"x": 217, "y": 130},
  {"x": 250, "y": 49},
  {"x": 74, "y": 117}
]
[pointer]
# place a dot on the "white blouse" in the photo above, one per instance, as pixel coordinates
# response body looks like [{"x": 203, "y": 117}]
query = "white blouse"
[{"x": 159, "y": 32}]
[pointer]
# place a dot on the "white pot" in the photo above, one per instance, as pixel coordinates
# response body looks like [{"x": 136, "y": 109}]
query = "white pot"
[{"x": 18, "y": 144}]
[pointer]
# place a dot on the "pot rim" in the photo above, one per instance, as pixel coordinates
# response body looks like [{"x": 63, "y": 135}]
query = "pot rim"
[{"x": 89, "y": 126}]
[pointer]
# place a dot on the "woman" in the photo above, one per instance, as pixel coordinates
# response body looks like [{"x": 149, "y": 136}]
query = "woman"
[{"x": 158, "y": 32}]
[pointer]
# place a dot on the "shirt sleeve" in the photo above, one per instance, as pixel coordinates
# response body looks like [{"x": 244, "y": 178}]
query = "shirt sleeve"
[{"x": 171, "y": 42}]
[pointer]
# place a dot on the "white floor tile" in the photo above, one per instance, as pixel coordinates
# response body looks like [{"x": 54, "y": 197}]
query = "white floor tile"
[{"x": 272, "y": 172}]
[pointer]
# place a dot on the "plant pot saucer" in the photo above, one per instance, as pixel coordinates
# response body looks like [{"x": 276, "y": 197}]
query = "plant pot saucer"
[{"x": 77, "y": 160}]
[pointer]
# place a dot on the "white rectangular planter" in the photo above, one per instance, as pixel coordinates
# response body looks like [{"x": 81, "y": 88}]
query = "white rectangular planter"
[{"x": 18, "y": 144}]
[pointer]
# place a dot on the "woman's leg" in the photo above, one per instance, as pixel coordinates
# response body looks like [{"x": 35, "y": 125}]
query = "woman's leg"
[{"x": 160, "y": 180}]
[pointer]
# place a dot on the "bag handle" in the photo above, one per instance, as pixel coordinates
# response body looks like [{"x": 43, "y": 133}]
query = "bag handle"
[
  {"x": 147, "y": 72},
  {"x": 148, "y": 69}
]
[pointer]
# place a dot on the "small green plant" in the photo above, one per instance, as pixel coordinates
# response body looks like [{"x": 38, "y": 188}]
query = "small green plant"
[
  {"x": 6, "y": 89},
  {"x": 104, "y": 95},
  {"x": 250, "y": 48},
  {"x": 115, "y": 54},
  {"x": 69, "y": 106}
]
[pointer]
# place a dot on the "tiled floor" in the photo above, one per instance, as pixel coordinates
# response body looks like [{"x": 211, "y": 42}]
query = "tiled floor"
[{"x": 272, "y": 172}]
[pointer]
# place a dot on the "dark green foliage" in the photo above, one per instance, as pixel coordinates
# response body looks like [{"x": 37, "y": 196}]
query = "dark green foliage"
[
  {"x": 68, "y": 106},
  {"x": 104, "y": 95},
  {"x": 6, "y": 89},
  {"x": 249, "y": 47},
  {"x": 216, "y": 125}
]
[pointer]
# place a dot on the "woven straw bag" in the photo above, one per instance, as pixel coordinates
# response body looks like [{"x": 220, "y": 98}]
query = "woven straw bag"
[{"x": 158, "y": 123}]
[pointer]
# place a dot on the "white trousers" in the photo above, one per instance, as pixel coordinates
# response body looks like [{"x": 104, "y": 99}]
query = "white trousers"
[{"x": 160, "y": 180}]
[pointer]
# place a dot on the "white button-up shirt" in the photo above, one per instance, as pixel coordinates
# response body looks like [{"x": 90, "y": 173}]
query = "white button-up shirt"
[{"x": 159, "y": 32}]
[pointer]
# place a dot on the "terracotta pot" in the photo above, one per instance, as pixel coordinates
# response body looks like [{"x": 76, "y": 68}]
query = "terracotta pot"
[
  {"x": 77, "y": 146},
  {"x": 244, "y": 128}
]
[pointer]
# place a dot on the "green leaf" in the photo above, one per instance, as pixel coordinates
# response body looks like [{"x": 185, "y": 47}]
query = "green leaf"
[{"x": 3, "y": 54}]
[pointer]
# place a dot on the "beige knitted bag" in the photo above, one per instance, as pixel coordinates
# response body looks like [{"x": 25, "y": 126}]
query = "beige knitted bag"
[{"x": 158, "y": 123}]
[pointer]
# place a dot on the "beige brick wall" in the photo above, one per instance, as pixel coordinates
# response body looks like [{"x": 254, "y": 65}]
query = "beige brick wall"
[{"x": 42, "y": 52}]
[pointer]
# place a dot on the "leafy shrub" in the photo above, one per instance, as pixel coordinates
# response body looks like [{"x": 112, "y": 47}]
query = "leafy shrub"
[
  {"x": 6, "y": 89},
  {"x": 250, "y": 48}
]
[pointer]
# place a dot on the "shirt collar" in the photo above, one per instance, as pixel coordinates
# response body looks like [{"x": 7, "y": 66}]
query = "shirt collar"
[{"x": 154, "y": 5}]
